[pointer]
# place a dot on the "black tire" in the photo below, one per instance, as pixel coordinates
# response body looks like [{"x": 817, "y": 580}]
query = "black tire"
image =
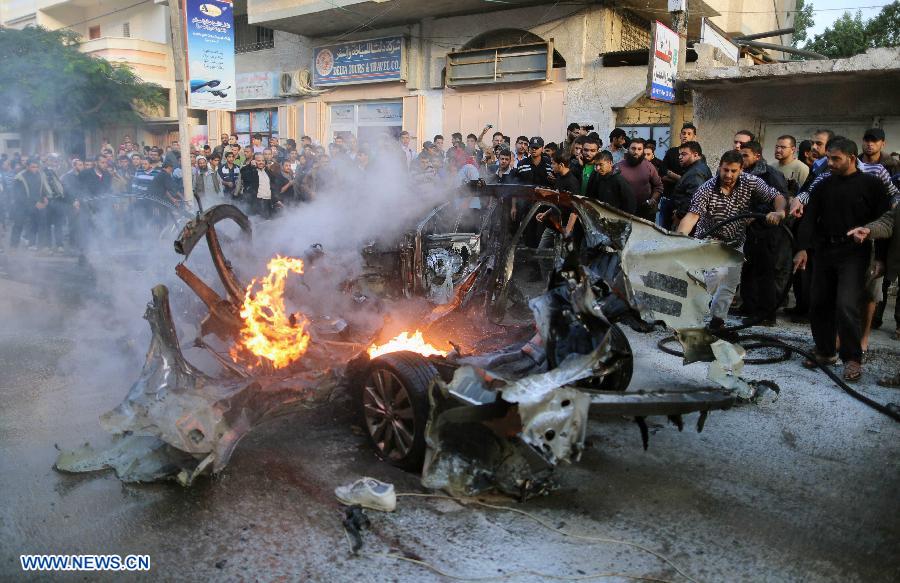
[
  {"x": 619, "y": 379},
  {"x": 396, "y": 431}
]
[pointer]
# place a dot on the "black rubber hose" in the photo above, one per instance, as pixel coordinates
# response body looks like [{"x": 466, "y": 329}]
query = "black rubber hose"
[{"x": 766, "y": 341}]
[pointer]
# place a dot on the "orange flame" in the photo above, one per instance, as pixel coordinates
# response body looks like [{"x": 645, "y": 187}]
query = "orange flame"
[
  {"x": 405, "y": 341},
  {"x": 269, "y": 331}
]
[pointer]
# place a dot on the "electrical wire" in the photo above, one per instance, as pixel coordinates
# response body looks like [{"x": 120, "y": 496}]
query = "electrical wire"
[{"x": 767, "y": 341}]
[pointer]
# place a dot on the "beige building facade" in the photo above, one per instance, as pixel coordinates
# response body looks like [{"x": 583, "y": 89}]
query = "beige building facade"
[
  {"x": 595, "y": 71},
  {"x": 583, "y": 80}
]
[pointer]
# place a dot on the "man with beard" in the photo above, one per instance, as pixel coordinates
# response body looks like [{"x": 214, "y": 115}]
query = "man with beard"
[
  {"x": 643, "y": 179},
  {"x": 767, "y": 249},
  {"x": 793, "y": 169},
  {"x": 607, "y": 186},
  {"x": 730, "y": 193},
  {"x": 841, "y": 201},
  {"x": 206, "y": 182},
  {"x": 572, "y": 132}
]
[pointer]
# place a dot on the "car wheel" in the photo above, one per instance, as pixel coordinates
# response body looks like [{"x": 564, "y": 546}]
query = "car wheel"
[{"x": 393, "y": 404}]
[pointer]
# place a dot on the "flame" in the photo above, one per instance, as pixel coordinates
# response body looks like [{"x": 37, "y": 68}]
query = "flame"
[
  {"x": 269, "y": 331},
  {"x": 405, "y": 341}
]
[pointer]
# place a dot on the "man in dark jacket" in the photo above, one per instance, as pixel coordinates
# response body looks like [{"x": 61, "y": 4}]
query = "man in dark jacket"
[
  {"x": 31, "y": 196},
  {"x": 259, "y": 194},
  {"x": 767, "y": 249},
  {"x": 692, "y": 174},
  {"x": 844, "y": 199},
  {"x": 608, "y": 186}
]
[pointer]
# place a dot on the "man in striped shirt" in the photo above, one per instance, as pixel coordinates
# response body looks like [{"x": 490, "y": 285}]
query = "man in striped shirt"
[{"x": 727, "y": 195}]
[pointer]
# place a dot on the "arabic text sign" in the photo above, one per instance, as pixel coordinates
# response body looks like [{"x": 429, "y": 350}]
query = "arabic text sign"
[
  {"x": 368, "y": 61},
  {"x": 664, "y": 63},
  {"x": 210, "y": 50},
  {"x": 257, "y": 85}
]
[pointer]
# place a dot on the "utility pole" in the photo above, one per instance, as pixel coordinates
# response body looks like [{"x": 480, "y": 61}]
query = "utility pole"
[
  {"x": 678, "y": 10},
  {"x": 176, "y": 27}
]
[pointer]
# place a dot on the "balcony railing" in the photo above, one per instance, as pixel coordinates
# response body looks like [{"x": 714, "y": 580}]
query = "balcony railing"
[{"x": 255, "y": 46}]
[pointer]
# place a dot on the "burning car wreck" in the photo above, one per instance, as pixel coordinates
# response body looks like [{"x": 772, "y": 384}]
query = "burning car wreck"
[{"x": 532, "y": 345}]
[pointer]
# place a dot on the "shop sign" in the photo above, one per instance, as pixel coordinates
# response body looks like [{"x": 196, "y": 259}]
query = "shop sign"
[
  {"x": 663, "y": 63},
  {"x": 210, "y": 52},
  {"x": 257, "y": 85},
  {"x": 368, "y": 61}
]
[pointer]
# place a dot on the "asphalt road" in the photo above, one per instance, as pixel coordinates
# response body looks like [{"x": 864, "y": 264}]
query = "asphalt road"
[{"x": 803, "y": 489}]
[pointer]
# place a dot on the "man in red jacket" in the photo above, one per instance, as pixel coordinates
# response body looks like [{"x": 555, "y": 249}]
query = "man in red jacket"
[{"x": 643, "y": 179}]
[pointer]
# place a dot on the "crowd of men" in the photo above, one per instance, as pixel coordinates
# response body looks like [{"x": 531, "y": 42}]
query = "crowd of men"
[{"x": 804, "y": 221}]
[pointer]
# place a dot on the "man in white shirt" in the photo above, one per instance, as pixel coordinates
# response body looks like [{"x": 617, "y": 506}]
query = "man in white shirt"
[{"x": 406, "y": 147}]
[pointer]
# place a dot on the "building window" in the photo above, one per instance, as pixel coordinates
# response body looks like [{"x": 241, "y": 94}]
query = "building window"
[
  {"x": 13, "y": 144},
  {"x": 368, "y": 121},
  {"x": 126, "y": 29},
  {"x": 249, "y": 38},
  {"x": 257, "y": 121},
  {"x": 94, "y": 32}
]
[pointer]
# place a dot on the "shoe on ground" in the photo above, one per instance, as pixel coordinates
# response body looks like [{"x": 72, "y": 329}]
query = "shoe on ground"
[
  {"x": 716, "y": 324},
  {"x": 852, "y": 371},
  {"x": 368, "y": 493},
  {"x": 818, "y": 360}
]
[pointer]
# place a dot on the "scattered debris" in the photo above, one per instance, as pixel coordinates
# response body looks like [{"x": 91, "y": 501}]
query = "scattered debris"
[
  {"x": 355, "y": 520},
  {"x": 500, "y": 410}
]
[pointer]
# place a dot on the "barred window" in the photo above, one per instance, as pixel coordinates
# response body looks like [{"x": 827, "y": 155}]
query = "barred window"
[
  {"x": 249, "y": 37},
  {"x": 635, "y": 32}
]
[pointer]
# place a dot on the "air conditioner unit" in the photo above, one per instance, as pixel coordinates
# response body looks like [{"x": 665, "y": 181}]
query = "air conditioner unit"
[{"x": 298, "y": 82}]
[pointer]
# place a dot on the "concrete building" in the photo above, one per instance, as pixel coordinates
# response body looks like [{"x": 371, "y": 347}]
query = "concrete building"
[
  {"x": 582, "y": 62},
  {"x": 527, "y": 67},
  {"x": 119, "y": 31},
  {"x": 796, "y": 98}
]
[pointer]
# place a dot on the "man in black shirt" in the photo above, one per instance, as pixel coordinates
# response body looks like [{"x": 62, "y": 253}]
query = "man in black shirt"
[
  {"x": 671, "y": 172},
  {"x": 841, "y": 201},
  {"x": 608, "y": 186},
  {"x": 536, "y": 168},
  {"x": 767, "y": 249},
  {"x": 566, "y": 181}
]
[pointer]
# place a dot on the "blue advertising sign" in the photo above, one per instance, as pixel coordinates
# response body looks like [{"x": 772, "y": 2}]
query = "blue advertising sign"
[
  {"x": 210, "y": 51},
  {"x": 368, "y": 61}
]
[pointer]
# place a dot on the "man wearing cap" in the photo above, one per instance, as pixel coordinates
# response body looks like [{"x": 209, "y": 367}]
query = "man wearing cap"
[
  {"x": 873, "y": 152},
  {"x": 536, "y": 168}
]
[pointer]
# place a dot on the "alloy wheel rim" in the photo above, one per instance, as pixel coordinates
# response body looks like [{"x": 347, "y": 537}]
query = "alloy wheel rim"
[{"x": 388, "y": 413}]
